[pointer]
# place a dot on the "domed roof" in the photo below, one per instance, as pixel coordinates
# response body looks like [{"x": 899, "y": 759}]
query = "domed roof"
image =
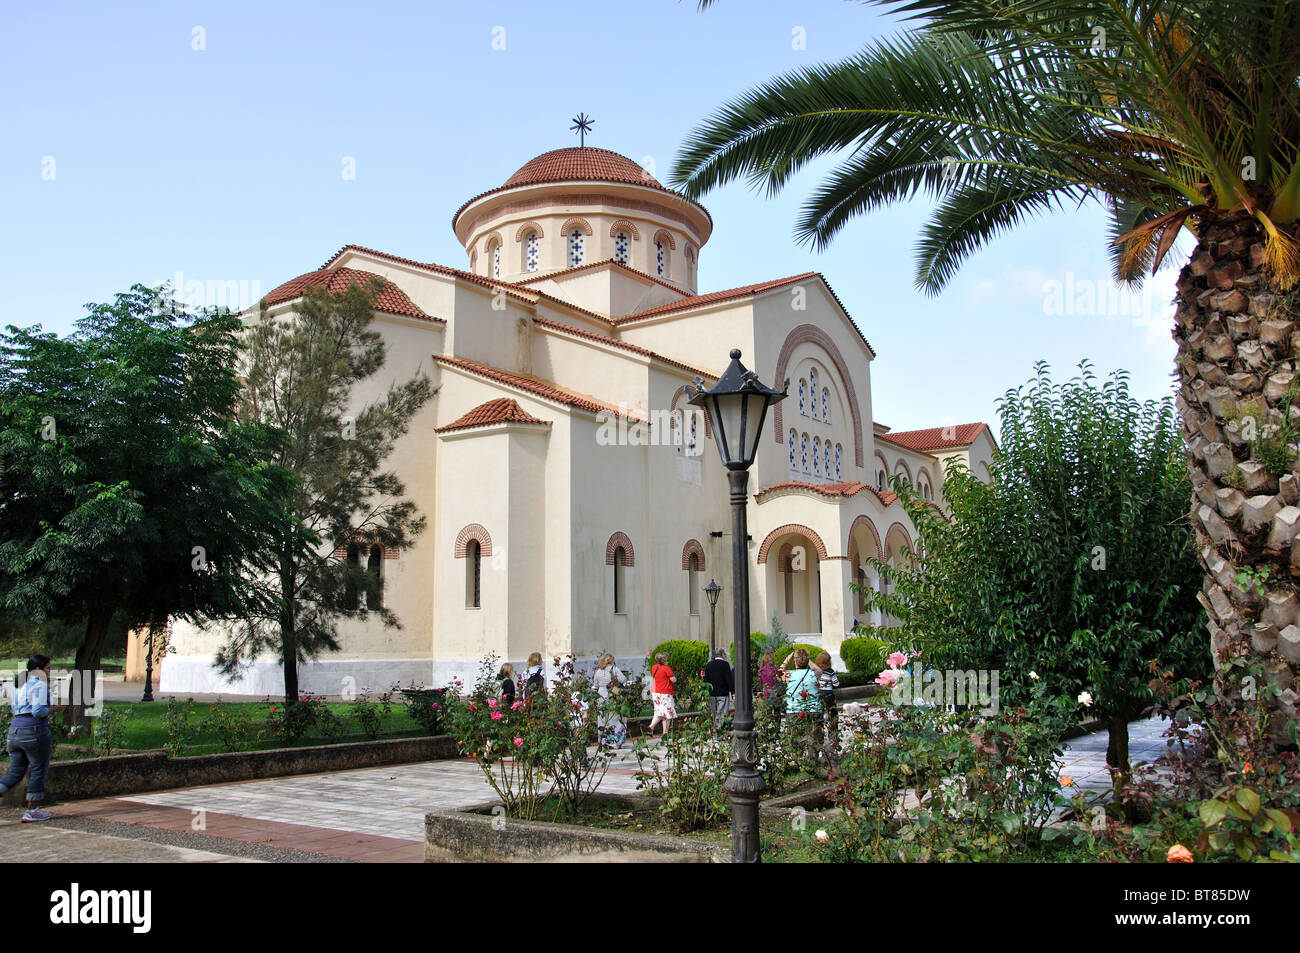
[{"x": 582, "y": 163}]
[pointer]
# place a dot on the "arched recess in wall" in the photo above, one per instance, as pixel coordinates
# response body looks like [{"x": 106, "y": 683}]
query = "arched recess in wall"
[{"x": 811, "y": 334}]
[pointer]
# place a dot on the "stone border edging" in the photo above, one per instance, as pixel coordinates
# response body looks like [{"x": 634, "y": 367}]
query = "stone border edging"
[{"x": 156, "y": 771}]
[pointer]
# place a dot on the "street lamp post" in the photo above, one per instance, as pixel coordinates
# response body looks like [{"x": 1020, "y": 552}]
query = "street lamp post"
[
  {"x": 712, "y": 590},
  {"x": 737, "y": 406},
  {"x": 148, "y": 668}
]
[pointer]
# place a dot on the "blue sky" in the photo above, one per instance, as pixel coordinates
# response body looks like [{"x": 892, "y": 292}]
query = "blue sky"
[{"x": 130, "y": 155}]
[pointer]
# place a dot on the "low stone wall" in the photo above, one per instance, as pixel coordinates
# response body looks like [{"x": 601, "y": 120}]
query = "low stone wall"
[
  {"x": 470, "y": 836},
  {"x": 156, "y": 771}
]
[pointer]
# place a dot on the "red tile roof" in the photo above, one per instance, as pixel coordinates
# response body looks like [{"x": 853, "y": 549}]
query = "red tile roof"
[
  {"x": 936, "y": 438},
  {"x": 577, "y": 164},
  {"x": 503, "y": 410},
  {"x": 391, "y": 299},
  {"x": 849, "y": 488},
  {"x": 535, "y": 385}
]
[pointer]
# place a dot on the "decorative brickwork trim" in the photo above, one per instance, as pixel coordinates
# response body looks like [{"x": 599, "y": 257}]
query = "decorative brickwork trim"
[
  {"x": 490, "y": 238},
  {"x": 477, "y": 532},
  {"x": 871, "y": 527},
  {"x": 901, "y": 529},
  {"x": 573, "y": 223},
  {"x": 810, "y": 333},
  {"x": 624, "y": 225},
  {"x": 788, "y": 528},
  {"x": 667, "y": 236},
  {"x": 615, "y": 541},
  {"x": 527, "y": 227},
  {"x": 693, "y": 547}
]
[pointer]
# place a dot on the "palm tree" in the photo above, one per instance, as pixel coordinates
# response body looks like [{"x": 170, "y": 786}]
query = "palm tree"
[{"x": 1174, "y": 115}]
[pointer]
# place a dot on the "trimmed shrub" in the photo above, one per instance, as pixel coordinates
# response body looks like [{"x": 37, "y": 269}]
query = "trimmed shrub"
[
  {"x": 785, "y": 651},
  {"x": 685, "y": 657},
  {"x": 864, "y": 654},
  {"x": 756, "y": 641}
]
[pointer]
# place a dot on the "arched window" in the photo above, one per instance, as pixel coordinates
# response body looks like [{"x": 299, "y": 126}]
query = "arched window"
[
  {"x": 826, "y": 459},
  {"x": 693, "y": 579},
  {"x": 812, "y": 391},
  {"x": 880, "y": 480},
  {"x": 351, "y": 591},
  {"x": 577, "y": 249},
  {"x": 496, "y": 260},
  {"x": 839, "y": 453},
  {"x": 622, "y": 248},
  {"x": 803, "y": 453},
  {"x": 794, "y": 450},
  {"x": 473, "y": 574},
  {"x": 803, "y": 397},
  {"x": 661, "y": 258},
  {"x": 620, "y": 579},
  {"x": 375, "y": 578},
  {"x": 532, "y": 252},
  {"x": 817, "y": 456},
  {"x": 826, "y": 405}
]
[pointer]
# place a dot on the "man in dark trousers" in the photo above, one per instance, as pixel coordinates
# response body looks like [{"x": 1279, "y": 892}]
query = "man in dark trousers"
[{"x": 721, "y": 685}]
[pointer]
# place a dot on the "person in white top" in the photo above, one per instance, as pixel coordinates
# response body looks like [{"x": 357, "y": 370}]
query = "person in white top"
[{"x": 607, "y": 681}]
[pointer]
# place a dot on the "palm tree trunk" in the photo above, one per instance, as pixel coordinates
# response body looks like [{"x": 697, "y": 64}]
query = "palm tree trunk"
[{"x": 1237, "y": 350}]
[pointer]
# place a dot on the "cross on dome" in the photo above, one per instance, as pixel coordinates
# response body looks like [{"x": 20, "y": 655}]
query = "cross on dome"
[{"x": 582, "y": 125}]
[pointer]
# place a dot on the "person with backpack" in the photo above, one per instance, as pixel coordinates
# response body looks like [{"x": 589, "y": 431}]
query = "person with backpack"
[
  {"x": 29, "y": 737},
  {"x": 827, "y": 683},
  {"x": 534, "y": 677},
  {"x": 507, "y": 679},
  {"x": 608, "y": 681}
]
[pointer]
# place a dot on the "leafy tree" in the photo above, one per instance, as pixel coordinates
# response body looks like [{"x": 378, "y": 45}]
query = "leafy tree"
[
  {"x": 1073, "y": 563},
  {"x": 127, "y": 487},
  {"x": 1178, "y": 115},
  {"x": 299, "y": 380}
]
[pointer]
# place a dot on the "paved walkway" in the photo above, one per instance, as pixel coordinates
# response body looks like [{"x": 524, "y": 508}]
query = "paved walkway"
[{"x": 367, "y": 815}]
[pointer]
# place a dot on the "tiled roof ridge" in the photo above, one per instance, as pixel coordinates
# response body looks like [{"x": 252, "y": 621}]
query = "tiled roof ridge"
[
  {"x": 536, "y": 385},
  {"x": 931, "y": 438},
  {"x": 842, "y": 489},
  {"x": 390, "y": 300},
  {"x": 495, "y": 411}
]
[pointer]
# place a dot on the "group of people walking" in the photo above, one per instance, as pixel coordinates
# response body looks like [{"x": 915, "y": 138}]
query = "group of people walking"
[{"x": 803, "y": 688}]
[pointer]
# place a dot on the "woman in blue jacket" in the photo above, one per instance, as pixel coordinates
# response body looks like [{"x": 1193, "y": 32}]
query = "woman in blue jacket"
[{"x": 29, "y": 736}]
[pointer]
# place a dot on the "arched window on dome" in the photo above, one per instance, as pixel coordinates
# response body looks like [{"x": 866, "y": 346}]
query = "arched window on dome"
[
  {"x": 496, "y": 259},
  {"x": 803, "y": 397},
  {"x": 794, "y": 447},
  {"x": 817, "y": 456},
  {"x": 532, "y": 252},
  {"x": 622, "y": 248},
  {"x": 826, "y": 405},
  {"x": 661, "y": 258},
  {"x": 577, "y": 248},
  {"x": 812, "y": 391},
  {"x": 803, "y": 453}
]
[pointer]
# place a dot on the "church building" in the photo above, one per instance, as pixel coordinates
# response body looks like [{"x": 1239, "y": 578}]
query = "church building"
[{"x": 575, "y": 502}]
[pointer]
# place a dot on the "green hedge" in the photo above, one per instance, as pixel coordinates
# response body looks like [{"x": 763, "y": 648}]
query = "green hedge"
[
  {"x": 785, "y": 651},
  {"x": 864, "y": 654},
  {"x": 756, "y": 641},
  {"x": 685, "y": 657}
]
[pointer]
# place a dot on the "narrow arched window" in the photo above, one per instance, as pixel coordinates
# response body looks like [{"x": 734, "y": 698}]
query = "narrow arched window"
[
  {"x": 577, "y": 250},
  {"x": 839, "y": 453},
  {"x": 691, "y": 443},
  {"x": 826, "y": 460},
  {"x": 880, "y": 480},
  {"x": 803, "y": 453},
  {"x": 473, "y": 574},
  {"x": 826, "y": 405},
  {"x": 661, "y": 259},
  {"x": 622, "y": 248},
  {"x": 351, "y": 591},
  {"x": 532, "y": 252},
  {"x": 620, "y": 579},
  {"x": 803, "y": 397},
  {"x": 817, "y": 456},
  {"x": 812, "y": 391},
  {"x": 693, "y": 583},
  {"x": 496, "y": 260},
  {"x": 794, "y": 450},
  {"x": 375, "y": 578}
]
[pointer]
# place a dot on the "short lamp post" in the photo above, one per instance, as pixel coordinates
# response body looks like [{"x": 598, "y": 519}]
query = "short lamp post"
[
  {"x": 712, "y": 590},
  {"x": 148, "y": 667},
  {"x": 737, "y": 407}
]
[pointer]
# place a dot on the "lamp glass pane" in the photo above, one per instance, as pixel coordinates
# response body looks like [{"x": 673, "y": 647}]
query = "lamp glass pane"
[{"x": 755, "y": 411}]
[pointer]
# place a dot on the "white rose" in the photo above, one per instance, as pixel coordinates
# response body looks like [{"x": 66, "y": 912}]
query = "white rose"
[
  {"x": 1085, "y": 699},
  {"x": 1033, "y": 676},
  {"x": 822, "y": 836}
]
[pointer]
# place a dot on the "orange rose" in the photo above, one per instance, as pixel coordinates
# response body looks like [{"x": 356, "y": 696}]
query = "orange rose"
[
  {"x": 1178, "y": 854},
  {"x": 1066, "y": 781}
]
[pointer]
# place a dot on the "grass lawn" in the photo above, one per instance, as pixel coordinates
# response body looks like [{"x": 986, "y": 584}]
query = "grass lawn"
[
  {"x": 146, "y": 730},
  {"x": 112, "y": 665}
]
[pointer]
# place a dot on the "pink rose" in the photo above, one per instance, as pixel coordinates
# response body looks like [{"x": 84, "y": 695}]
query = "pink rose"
[
  {"x": 497, "y": 716},
  {"x": 1178, "y": 854},
  {"x": 889, "y": 678},
  {"x": 519, "y": 742},
  {"x": 516, "y": 706},
  {"x": 897, "y": 660},
  {"x": 492, "y": 703}
]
